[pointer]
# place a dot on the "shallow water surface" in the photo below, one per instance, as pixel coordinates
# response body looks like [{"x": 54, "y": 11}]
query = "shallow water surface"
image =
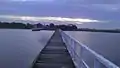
[{"x": 18, "y": 48}]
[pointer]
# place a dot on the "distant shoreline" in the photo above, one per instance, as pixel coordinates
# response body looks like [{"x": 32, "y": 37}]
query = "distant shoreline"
[
  {"x": 100, "y": 30},
  {"x": 51, "y": 26},
  {"x": 81, "y": 29},
  {"x": 86, "y": 30}
]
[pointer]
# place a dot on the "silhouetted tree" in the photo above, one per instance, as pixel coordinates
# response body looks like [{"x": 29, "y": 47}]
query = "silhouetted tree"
[
  {"x": 39, "y": 25},
  {"x": 29, "y": 26},
  {"x": 67, "y": 27},
  {"x": 62, "y": 27},
  {"x": 47, "y": 25},
  {"x": 15, "y": 25},
  {"x": 52, "y": 25},
  {"x": 74, "y": 26}
]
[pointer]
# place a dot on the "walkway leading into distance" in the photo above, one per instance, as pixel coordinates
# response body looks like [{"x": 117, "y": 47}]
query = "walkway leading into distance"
[{"x": 54, "y": 55}]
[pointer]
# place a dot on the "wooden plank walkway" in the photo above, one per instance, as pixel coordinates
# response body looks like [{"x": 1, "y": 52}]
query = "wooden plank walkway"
[{"x": 54, "y": 55}]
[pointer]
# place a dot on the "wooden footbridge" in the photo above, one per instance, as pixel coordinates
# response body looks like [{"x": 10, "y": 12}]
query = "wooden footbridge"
[{"x": 63, "y": 51}]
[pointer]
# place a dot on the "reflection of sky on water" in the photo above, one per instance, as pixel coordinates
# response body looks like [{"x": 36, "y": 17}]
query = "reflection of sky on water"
[{"x": 18, "y": 48}]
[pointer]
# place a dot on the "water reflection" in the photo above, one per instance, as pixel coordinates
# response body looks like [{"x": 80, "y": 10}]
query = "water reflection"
[{"x": 18, "y": 48}]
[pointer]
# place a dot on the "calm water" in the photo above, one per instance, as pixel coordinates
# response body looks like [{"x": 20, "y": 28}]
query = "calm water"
[
  {"x": 18, "y": 48},
  {"x": 106, "y": 44}
]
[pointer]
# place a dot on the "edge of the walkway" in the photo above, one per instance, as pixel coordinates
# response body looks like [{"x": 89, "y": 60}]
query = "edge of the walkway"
[{"x": 34, "y": 61}]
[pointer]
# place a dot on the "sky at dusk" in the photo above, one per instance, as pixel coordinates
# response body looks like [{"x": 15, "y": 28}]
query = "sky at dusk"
[{"x": 100, "y": 11}]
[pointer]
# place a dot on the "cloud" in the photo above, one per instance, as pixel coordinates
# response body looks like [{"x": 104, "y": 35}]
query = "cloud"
[
  {"x": 48, "y": 19},
  {"x": 63, "y": 8}
]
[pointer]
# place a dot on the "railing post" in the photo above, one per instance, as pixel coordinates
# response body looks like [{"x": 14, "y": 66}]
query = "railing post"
[{"x": 81, "y": 57}]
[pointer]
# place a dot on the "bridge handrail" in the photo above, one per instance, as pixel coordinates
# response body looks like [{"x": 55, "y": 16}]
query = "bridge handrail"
[{"x": 99, "y": 59}]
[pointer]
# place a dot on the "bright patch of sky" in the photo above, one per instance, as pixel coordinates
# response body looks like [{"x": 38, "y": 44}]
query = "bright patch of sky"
[{"x": 47, "y": 19}]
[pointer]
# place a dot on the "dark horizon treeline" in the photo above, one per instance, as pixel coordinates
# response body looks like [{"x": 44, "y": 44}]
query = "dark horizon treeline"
[
  {"x": 53, "y": 26},
  {"x": 16, "y": 25}
]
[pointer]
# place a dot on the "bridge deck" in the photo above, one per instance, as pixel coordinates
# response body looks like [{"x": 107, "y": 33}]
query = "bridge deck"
[{"x": 54, "y": 55}]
